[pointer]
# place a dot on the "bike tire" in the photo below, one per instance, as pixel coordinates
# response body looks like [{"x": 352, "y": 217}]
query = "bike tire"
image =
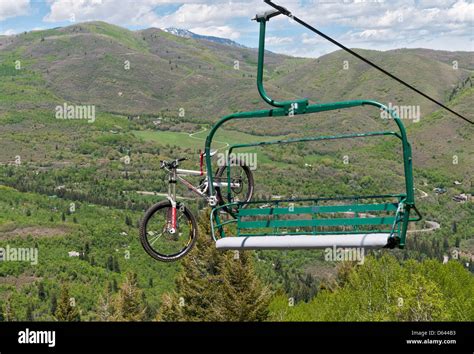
[
  {"x": 248, "y": 173},
  {"x": 143, "y": 233}
]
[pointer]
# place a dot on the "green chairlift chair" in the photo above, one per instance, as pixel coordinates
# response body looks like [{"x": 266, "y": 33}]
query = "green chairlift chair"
[{"x": 372, "y": 221}]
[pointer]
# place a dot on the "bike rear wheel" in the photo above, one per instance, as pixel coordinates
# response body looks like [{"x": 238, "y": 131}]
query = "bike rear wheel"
[
  {"x": 162, "y": 242},
  {"x": 240, "y": 175}
]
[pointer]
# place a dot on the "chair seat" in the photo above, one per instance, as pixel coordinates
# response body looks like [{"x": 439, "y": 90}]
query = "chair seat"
[{"x": 370, "y": 240}]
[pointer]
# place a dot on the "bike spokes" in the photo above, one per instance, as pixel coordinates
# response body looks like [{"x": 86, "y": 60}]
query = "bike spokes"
[
  {"x": 239, "y": 185},
  {"x": 168, "y": 231}
]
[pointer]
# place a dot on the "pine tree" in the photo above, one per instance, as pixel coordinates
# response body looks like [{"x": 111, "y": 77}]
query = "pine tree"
[
  {"x": 215, "y": 286},
  {"x": 105, "y": 309},
  {"x": 114, "y": 285},
  {"x": 54, "y": 303},
  {"x": 41, "y": 292},
  {"x": 445, "y": 243},
  {"x": 65, "y": 310},
  {"x": 242, "y": 297},
  {"x": 454, "y": 227},
  {"x": 9, "y": 312},
  {"x": 171, "y": 309},
  {"x": 150, "y": 310},
  {"x": 116, "y": 267},
  {"x": 130, "y": 302},
  {"x": 110, "y": 263},
  {"x": 29, "y": 313},
  {"x": 196, "y": 286}
]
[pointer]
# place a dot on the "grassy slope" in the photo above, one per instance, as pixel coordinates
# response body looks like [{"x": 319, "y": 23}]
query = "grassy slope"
[
  {"x": 84, "y": 64},
  {"x": 105, "y": 231}
]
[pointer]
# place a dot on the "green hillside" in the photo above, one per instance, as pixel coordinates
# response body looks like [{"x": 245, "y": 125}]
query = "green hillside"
[{"x": 156, "y": 96}]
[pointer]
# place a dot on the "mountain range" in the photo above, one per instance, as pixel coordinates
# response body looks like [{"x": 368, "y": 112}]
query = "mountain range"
[
  {"x": 188, "y": 34},
  {"x": 168, "y": 72}
]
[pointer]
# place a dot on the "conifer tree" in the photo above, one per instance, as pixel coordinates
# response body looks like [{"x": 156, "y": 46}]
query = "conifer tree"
[
  {"x": 130, "y": 302},
  {"x": 105, "y": 309},
  {"x": 66, "y": 310},
  {"x": 196, "y": 289},
  {"x": 41, "y": 292},
  {"x": 116, "y": 266},
  {"x": 242, "y": 297},
  {"x": 8, "y": 312},
  {"x": 215, "y": 286},
  {"x": 29, "y": 313},
  {"x": 54, "y": 303}
]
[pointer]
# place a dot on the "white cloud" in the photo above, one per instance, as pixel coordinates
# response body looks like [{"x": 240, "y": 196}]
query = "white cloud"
[
  {"x": 8, "y": 32},
  {"x": 190, "y": 13},
  {"x": 271, "y": 40},
  {"x": 123, "y": 12},
  {"x": 312, "y": 39},
  {"x": 376, "y": 35},
  {"x": 217, "y": 31},
  {"x": 385, "y": 14},
  {"x": 203, "y": 15},
  {"x": 426, "y": 4},
  {"x": 13, "y": 8},
  {"x": 462, "y": 11},
  {"x": 387, "y": 24},
  {"x": 199, "y": 16},
  {"x": 375, "y": 24}
]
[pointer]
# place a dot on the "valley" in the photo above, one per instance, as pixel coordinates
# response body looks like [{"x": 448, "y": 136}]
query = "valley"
[{"x": 65, "y": 186}]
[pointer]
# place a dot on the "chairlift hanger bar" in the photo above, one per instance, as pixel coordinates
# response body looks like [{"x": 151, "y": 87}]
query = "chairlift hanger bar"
[{"x": 281, "y": 10}]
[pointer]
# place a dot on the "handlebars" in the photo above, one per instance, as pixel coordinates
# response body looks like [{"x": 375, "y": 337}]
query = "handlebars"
[{"x": 171, "y": 164}]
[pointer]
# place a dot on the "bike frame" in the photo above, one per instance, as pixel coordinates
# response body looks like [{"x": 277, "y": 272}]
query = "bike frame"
[{"x": 203, "y": 190}]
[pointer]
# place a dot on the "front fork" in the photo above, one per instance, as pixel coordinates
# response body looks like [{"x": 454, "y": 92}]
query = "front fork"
[{"x": 172, "y": 223}]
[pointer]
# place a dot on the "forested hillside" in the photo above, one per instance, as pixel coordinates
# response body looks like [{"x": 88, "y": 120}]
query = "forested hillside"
[{"x": 76, "y": 190}]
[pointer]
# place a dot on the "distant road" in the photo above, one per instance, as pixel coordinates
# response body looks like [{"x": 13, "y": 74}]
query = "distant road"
[
  {"x": 433, "y": 225},
  {"x": 191, "y": 135},
  {"x": 159, "y": 194},
  {"x": 424, "y": 194}
]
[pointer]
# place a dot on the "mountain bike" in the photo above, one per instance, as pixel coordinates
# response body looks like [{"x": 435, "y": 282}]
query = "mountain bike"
[{"x": 168, "y": 229}]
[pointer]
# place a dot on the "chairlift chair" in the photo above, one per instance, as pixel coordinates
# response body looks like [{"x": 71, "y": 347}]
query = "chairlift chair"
[{"x": 376, "y": 221}]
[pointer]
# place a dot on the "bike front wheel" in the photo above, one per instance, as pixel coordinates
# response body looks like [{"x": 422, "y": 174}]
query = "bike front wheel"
[{"x": 160, "y": 240}]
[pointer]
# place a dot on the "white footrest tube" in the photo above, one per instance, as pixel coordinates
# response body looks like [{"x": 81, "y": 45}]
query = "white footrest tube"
[{"x": 374, "y": 240}]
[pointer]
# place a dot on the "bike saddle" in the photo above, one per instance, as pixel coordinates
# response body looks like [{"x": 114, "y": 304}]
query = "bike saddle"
[{"x": 212, "y": 153}]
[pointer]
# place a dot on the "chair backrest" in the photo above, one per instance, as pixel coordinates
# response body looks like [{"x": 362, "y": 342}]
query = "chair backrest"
[{"x": 316, "y": 219}]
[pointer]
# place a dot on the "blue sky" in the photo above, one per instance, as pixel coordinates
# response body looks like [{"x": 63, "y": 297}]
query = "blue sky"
[{"x": 370, "y": 24}]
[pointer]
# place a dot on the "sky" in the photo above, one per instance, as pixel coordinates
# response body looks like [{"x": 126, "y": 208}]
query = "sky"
[{"x": 369, "y": 24}]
